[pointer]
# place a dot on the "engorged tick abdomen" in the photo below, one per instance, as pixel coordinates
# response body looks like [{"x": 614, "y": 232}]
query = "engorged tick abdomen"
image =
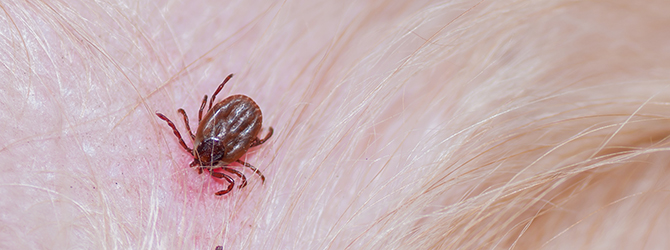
[{"x": 227, "y": 131}]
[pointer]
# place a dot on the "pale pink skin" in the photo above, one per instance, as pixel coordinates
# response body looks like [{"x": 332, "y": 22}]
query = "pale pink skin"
[{"x": 398, "y": 124}]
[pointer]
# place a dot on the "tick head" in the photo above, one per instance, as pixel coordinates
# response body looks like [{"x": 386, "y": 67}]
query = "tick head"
[{"x": 209, "y": 152}]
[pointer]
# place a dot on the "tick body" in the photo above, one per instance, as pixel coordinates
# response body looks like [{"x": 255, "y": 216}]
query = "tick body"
[{"x": 224, "y": 135}]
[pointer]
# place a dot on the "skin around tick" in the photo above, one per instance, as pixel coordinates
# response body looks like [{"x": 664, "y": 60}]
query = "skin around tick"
[
  {"x": 227, "y": 131},
  {"x": 225, "y": 134}
]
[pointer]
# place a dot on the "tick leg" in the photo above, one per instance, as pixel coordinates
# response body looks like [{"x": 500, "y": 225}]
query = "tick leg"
[
  {"x": 176, "y": 132},
  {"x": 257, "y": 141},
  {"x": 224, "y": 176},
  {"x": 239, "y": 174},
  {"x": 256, "y": 171},
  {"x": 202, "y": 106},
  {"x": 219, "y": 89},
  {"x": 188, "y": 127}
]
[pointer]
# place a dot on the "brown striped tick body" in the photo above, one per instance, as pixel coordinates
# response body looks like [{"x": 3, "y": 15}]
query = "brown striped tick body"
[{"x": 224, "y": 135}]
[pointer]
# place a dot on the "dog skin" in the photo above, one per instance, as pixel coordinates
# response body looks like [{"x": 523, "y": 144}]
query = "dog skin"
[{"x": 397, "y": 124}]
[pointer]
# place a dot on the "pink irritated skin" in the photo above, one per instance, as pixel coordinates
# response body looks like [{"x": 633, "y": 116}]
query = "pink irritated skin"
[{"x": 397, "y": 124}]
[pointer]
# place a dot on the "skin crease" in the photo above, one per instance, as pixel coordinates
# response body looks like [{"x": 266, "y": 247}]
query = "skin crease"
[{"x": 398, "y": 124}]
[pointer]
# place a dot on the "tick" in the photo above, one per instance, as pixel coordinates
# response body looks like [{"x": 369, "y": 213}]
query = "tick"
[{"x": 224, "y": 135}]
